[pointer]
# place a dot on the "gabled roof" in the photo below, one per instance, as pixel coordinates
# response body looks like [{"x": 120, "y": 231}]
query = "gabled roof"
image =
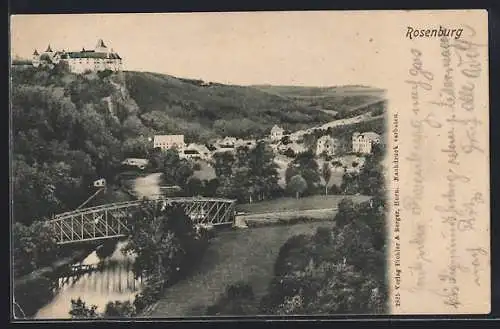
[
  {"x": 169, "y": 138},
  {"x": 326, "y": 138},
  {"x": 370, "y": 135}
]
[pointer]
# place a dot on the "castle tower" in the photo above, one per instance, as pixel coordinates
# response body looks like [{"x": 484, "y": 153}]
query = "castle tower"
[
  {"x": 49, "y": 50},
  {"x": 35, "y": 58},
  {"x": 101, "y": 47}
]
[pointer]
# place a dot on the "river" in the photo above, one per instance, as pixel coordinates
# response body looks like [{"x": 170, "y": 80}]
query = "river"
[{"x": 115, "y": 282}]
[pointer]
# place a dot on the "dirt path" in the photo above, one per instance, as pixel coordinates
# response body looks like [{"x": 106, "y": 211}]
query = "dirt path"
[
  {"x": 246, "y": 254},
  {"x": 147, "y": 186}
]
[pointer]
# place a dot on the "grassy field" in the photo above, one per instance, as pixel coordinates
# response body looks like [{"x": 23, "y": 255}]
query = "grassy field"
[
  {"x": 293, "y": 204},
  {"x": 247, "y": 255}
]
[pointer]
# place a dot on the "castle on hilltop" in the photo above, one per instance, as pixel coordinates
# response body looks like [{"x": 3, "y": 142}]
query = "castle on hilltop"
[{"x": 99, "y": 59}]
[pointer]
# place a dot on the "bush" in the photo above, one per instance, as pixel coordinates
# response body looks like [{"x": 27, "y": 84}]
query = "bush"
[
  {"x": 119, "y": 309},
  {"x": 106, "y": 249},
  {"x": 336, "y": 270},
  {"x": 238, "y": 299},
  {"x": 150, "y": 293},
  {"x": 32, "y": 295},
  {"x": 289, "y": 153},
  {"x": 80, "y": 310}
]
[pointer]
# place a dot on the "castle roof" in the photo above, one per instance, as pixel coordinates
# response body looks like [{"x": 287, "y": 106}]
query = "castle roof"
[
  {"x": 35, "y": 53},
  {"x": 90, "y": 54},
  {"x": 49, "y": 50},
  {"x": 100, "y": 44}
]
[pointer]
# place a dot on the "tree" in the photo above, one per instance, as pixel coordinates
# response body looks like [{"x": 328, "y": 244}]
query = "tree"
[
  {"x": 80, "y": 310},
  {"x": 341, "y": 269},
  {"x": 176, "y": 171},
  {"x": 194, "y": 187},
  {"x": 306, "y": 166},
  {"x": 152, "y": 242},
  {"x": 106, "y": 249},
  {"x": 119, "y": 309},
  {"x": 166, "y": 245},
  {"x": 297, "y": 185},
  {"x": 223, "y": 164},
  {"x": 211, "y": 187},
  {"x": 34, "y": 247},
  {"x": 327, "y": 175},
  {"x": 289, "y": 153},
  {"x": 285, "y": 140},
  {"x": 249, "y": 174},
  {"x": 263, "y": 171}
]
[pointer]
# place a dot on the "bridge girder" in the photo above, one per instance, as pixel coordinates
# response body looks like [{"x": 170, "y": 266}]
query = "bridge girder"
[{"x": 111, "y": 221}]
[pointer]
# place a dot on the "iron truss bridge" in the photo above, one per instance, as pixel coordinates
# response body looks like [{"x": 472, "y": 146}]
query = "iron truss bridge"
[{"x": 111, "y": 220}]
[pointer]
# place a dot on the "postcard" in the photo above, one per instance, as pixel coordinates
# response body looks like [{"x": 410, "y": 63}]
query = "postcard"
[{"x": 242, "y": 164}]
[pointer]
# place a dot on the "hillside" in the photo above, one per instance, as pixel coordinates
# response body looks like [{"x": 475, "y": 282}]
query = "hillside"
[
  {"x": 204, "y": 110},
  {"x": 70, "y": 129},
  {"x": 337, "y": 100}
]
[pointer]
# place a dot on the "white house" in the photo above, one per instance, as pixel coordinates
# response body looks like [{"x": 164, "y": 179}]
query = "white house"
[
  {"x": 100, "y": 183},
  {"x": 363, "y": 142},
  {"x": 226, "y": 144},
  {"x": 166, "y": 142},
  {"x": 295, "y": 147},
  {"x": 136, "y": 162},
  {"x": 326, "y": 144},
  {"x": 196, "y": 152},
  {"x": 245, "y": 142},
  {"x": 277, "y": 133}
]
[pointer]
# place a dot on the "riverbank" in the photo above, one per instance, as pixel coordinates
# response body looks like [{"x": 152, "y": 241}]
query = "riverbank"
[{"x": 36, "y": 289}]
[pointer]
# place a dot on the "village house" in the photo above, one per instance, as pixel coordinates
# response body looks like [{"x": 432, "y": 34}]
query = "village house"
[
  {"x": 165, "y": 142},
  {"x": 227, "y": 143},
  {"x": 363, "y": 142},
  {"x": 196, "y": 152},
  {"x": 136, "y": 162},
  {"x": 295, "y": 147},
  {"x": 100, "y": 58},
  {"x": 277, "y": 133},
  {"x": 327, "y": 145},
  {"x": 245, "y": 142}
]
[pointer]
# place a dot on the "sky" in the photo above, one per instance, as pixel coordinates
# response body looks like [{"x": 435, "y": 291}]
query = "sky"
[{"x": 278, "y": 48}]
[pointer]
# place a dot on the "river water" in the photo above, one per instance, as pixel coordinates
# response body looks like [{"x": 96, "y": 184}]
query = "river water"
[{"x": 114, "y": 282}]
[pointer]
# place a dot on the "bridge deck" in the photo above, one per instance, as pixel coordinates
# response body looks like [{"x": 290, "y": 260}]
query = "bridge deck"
[{"x": 111, "y": 220}]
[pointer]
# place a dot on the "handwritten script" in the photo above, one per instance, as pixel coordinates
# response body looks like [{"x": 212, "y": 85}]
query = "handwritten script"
[{"x": 445, "y": 114}]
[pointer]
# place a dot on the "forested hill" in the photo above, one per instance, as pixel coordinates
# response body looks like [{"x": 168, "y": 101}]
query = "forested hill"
[
  {"x": 70, "y": 129},
  {"x": 203, "y": 109}
]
